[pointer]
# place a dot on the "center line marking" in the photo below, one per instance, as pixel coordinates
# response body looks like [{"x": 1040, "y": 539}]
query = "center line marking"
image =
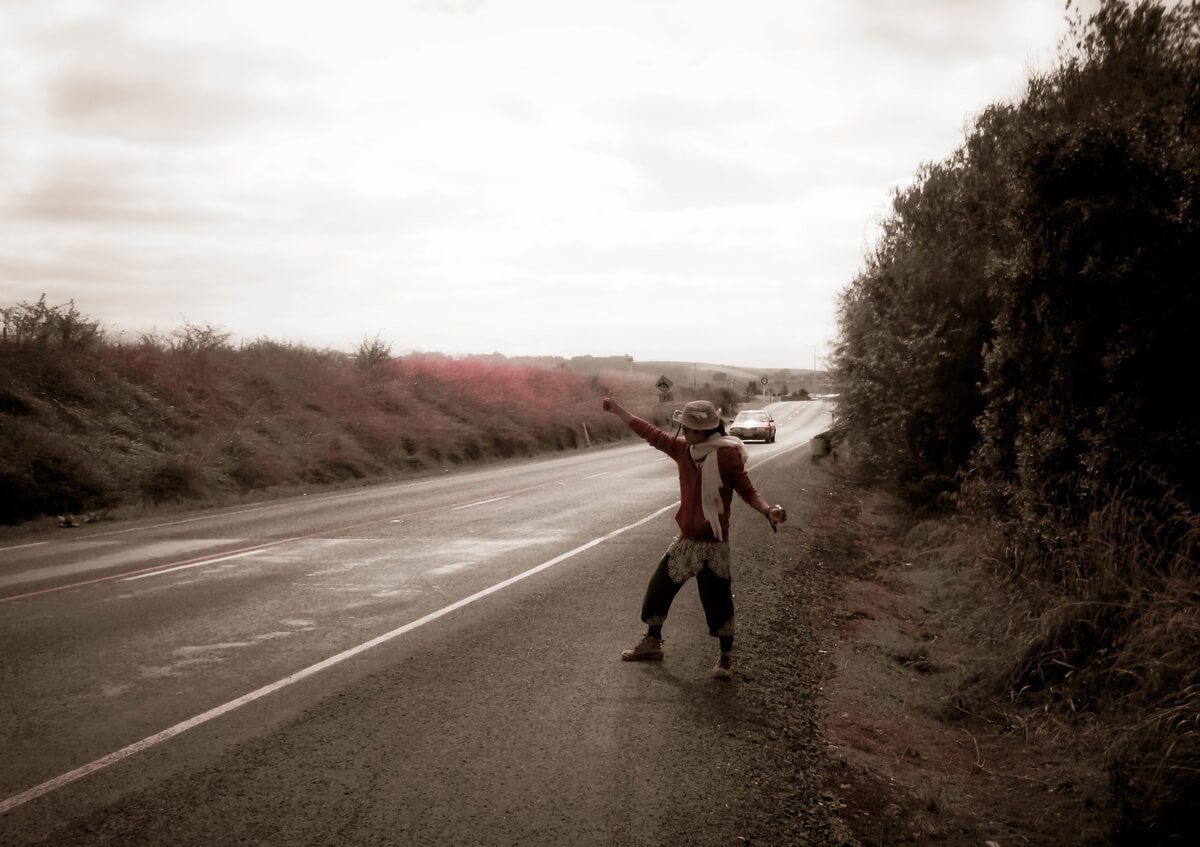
[
  {"x": 204, "y": 717},
  {"x": 192, "y": 565},
  {"x": 23, "y": 546},
  {"x": 480, "y": 502},
  {"x": 593, "y": 476}
]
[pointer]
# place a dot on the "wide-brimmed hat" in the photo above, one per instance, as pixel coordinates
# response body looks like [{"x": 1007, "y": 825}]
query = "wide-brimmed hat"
[{"x": 698, "y": 414}]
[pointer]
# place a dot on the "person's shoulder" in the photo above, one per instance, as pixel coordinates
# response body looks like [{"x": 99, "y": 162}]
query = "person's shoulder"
[{"x": 730, "y": 454}]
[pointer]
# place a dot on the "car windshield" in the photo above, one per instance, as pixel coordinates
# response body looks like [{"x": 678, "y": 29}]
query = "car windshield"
[{"x": 750, "y": 416}]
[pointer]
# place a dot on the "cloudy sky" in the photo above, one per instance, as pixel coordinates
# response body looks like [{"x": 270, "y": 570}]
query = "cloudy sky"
[{"x": 668, "y": 179}]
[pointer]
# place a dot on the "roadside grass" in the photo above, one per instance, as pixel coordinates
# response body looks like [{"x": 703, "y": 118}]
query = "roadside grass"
[
  {"x": 100, "y": 426},
  {"x": 1105, "y": 662}
]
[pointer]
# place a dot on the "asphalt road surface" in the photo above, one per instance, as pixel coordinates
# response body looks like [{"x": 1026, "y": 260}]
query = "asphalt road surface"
[{"x": 414, "y": 663}]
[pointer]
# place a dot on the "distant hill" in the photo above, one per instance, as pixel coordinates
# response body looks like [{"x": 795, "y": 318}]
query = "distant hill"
[
  {"x": 702, "y": 374},
  {"x": 699, "y": 374},
  {"x": 689, "y": 374}
]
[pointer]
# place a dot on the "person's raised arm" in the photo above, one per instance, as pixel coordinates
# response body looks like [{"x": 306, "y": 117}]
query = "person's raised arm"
[
  {"x": 653, "y": 436},
  {"x": 611, "y": 405}
]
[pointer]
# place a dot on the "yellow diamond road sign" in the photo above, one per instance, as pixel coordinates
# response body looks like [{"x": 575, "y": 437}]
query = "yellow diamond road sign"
[{"x": 663, "y": 384}]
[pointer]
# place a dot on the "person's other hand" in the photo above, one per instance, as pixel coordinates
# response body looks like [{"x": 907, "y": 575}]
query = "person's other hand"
[{"x": 777, "y": 514}]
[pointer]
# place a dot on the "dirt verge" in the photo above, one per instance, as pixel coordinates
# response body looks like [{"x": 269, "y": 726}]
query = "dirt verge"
[{"x": 909, "y": 624}]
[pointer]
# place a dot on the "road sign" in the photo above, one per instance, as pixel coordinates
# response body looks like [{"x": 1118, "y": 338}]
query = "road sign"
[
  {"x": 764, "y": 380},
  {"x": 663, "y": 384}
]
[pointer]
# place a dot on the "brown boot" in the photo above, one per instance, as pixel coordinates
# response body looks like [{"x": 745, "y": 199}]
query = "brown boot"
[
  {"x": 649, "y": 649},
  {"x": 723, "y": 669}
]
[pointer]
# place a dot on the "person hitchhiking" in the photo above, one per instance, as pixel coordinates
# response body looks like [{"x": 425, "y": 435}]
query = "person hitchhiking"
[{"x": 711, "y": 466}]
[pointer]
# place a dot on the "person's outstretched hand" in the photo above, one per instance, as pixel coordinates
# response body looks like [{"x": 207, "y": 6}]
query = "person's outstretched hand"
[{"x": 611, "y": 405}]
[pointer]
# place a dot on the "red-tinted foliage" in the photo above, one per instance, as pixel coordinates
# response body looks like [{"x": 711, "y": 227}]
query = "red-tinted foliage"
[{"x": 149, "y": 422}]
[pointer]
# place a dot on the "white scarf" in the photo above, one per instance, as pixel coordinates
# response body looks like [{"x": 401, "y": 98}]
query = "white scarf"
[{"x": 710, "y": 477}]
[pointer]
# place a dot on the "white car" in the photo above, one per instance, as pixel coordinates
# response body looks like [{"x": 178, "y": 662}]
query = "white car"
[{"x": 753, "y": 424}]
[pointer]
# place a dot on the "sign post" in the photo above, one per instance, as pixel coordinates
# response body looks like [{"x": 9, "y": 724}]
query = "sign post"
[{"x": 664, "y": 389}]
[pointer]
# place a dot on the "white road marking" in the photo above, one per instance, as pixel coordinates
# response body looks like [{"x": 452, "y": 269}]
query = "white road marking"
[
  {"x": 67, "y": 778},
  {"x": 192, "y": 565},
  {"x": 593, "y": 476},
  {"x": 23, "y": 546},
  {"x": 453, "y": 567},
  {"x": 97, "y": 559},
  {"x": 775, "y": 456},
  {"x": 480, "y": 502}
]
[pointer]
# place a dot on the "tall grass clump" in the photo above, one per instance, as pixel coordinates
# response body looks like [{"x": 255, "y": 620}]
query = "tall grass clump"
[
  {"x": 89, "y": 422},
  {"x": 1117, "y": 647},
  {"x": 1013, "y": 347}
]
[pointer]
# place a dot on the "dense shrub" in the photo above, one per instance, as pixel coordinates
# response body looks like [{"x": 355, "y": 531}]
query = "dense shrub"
[
  {"x": 914, "y": 323},
  {"x": 174, "y": 478},
  {"x": 1081, "y": 380},
  {"x": 1021, "y": 317},
  {"x": 1015, "y": 343},
  {"x": 44, "y": 472},
  {"x": 38, "y": 325}
]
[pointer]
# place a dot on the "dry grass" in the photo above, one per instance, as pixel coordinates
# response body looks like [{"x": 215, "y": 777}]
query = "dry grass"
[
  {"x": 1098, "y": 645},
  {"x": 104, "y": 425}
]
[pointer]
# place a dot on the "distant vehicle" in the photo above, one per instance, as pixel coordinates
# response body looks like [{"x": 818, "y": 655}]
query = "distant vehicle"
[{"x": 753, "y": 424}]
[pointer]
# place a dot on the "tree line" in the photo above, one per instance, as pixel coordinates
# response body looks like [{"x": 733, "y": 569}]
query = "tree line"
[
  {"x": 1019, "y": 344},
  {"x": 1022, "y": 329}
]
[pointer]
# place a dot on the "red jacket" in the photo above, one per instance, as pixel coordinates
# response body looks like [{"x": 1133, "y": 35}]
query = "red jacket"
[{"x": 690, "y": 517}]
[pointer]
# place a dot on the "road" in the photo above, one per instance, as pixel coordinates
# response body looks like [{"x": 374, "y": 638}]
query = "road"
[{"x": 438, "y": 655}]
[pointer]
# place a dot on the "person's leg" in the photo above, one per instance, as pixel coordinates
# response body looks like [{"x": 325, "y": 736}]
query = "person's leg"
[
  {"x": 716, "y": 595},
  {"x": 660, "y": 593}
]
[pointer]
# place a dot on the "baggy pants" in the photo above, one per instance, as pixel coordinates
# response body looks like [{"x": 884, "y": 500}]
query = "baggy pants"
[{"x": 716, "y": 596}]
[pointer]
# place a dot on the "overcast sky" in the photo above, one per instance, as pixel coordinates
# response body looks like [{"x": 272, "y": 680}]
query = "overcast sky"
[{"x": 667, "y": 179}]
